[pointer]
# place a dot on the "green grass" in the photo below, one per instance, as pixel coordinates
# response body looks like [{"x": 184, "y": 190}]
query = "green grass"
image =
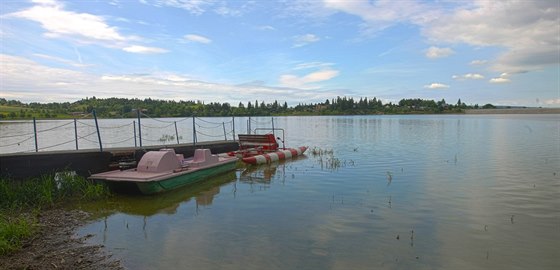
[
  {"x": 13, "y": 231},
  {"x": 20, "y": 201},
  {"x": 48, "y": 190}
]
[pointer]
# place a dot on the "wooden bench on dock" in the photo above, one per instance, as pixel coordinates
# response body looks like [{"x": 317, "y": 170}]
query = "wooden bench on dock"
[{"x": 265, "y": 142}]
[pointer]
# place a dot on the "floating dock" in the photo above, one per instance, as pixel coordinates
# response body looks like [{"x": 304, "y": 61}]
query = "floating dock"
[{"x": 85, "y": 162}]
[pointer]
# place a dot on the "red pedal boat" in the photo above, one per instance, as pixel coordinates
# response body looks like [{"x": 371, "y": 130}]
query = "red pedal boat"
[{"x": 261, "y": 149}]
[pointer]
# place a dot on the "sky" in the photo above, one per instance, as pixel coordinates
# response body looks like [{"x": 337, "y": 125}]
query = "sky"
[{"x": 308, "y": 51}]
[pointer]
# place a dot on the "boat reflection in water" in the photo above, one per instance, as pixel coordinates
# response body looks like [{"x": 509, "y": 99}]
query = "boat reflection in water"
[
  {"x": 263, "y": 174},
  {"x": 166, "y": 203}
]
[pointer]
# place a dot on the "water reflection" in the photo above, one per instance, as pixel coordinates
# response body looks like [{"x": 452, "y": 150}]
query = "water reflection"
[{"x": 165, "y": 203}]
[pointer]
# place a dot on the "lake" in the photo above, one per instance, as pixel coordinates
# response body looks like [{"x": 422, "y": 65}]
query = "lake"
[{"x": 377, "y": 192}]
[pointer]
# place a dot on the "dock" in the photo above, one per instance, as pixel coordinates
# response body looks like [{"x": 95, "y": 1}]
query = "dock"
[{"x": 20, "y": 166}]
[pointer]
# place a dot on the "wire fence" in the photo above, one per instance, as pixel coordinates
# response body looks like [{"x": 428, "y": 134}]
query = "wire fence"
[{"x": 87, "y": 132}]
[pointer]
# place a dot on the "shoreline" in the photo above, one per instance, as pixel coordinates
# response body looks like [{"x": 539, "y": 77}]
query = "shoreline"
[
  {"x": 56, "y": 245},
  {"x": 514, "y": 111},
  {"x": 465, "y": 111}
]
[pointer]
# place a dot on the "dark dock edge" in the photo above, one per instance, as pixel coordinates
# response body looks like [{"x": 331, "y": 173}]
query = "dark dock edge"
[{"x": 19, "y": 166}]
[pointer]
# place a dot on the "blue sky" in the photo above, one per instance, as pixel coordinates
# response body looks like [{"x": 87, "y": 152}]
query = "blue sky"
[{"x": 499, "y": 52}]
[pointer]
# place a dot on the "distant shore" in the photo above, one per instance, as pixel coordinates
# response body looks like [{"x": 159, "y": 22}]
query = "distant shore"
[{"x": 514, "y": 111}]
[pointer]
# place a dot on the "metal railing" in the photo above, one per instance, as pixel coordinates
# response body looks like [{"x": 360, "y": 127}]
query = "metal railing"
[{"x": 83, "y": 133}]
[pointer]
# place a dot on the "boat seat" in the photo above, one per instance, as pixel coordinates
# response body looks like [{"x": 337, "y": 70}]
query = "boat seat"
[
  {"x": 203, "y": 157},
  {"x": 264, "y": 142},
  {"x": 159, "y": 161}
]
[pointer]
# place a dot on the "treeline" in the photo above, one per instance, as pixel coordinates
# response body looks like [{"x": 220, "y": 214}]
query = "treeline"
[{"x": 123, "y": 108}]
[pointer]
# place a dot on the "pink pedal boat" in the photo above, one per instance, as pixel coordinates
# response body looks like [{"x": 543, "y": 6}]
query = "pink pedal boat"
[{"x": 164, "y": 170}]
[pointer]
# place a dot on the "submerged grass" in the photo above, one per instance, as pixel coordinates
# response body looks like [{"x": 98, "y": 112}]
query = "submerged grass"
[
  {"x": 330, "y": 162},
  {"x": 20, "y": 202}
]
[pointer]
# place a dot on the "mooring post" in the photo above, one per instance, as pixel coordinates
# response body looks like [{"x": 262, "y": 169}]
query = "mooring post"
[
  {"x": 225, "y": 134},
  {"x": 139, "y": 127},
  {"x": 176, "y": 133},
  {"x": 249, "y": 125},
  {"x": 134, "y": 126},
  {"x": 98, "y": 134},
  {"x": 193, "y": 132},
  {"x": 76, "y": 132},
  {"x": 233, "y": 126},
  {"x": 35, "y": 132},
  {"x": 273, "y": 128}
]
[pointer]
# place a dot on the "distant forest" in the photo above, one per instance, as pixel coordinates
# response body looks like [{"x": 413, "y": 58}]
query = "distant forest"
[{"x": 125, "y": 108}]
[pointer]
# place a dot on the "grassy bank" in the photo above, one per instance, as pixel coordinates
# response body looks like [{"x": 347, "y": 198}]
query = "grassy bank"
[{"x": 22, "y": 201}]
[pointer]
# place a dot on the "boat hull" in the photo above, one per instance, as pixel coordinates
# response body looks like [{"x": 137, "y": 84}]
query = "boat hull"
[
  {"x": 147, "y": 183},
  {"x": 275, "y": 156},
  {"x": 184, "y": 179}
]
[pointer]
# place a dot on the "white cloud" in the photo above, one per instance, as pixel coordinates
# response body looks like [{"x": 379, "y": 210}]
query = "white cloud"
[
  {"x": 290, "y": 80},
  {"x": 500, "y": 80},
  {"x": 79, "y": 27},
  {"x": 303, "y": 40},
  {"x": 436, "y": 86},
  {"x": 197, "y": 38},
  {"x": 468, "y": 76},
  {"x": 528, "y": 30},
  {"x": 504, "y": 78},
  {"x": 59, "y": 22},
  {"x": 436, "y": 52},
  {"x": 143, "y": 49}
]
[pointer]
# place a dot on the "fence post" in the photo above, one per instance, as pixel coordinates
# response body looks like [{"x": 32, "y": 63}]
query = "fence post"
[
  {"x": 273, "y": 134},
  {"x": 233, "y": 126},
  {"x": 134, "y": 126},
  {"x": 225, "y": 135},
  {"x": 76, "y": 133},
  {"x": 35, "y": 132},
  {"x": 98, "y": 134},
  {"x": 193, "y": 132},
  {"x": 139, "y": 127},
  {"x": 176, "y": 133}
]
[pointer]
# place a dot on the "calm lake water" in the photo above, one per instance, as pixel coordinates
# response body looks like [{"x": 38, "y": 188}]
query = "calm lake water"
[{"x": 397, "y": 192}]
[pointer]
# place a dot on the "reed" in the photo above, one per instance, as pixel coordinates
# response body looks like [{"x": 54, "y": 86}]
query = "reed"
[
  {"x": 13, "y": 231},
  {"x": 21, "y": 201},
  {"x": 47, "y": 190}
]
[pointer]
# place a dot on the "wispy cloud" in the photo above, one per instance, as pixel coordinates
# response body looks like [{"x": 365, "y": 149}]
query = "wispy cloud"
[
  {"x": 61, "y": 60},
  {"x": 303, "y": 40},
  {"x": 59, "y": 84},
  {"x": 82, "y": 28},
  {"x": 197, "y": 38},
  {"x": 436, "y": 52},
  {"x": 527, "y": 31},
  {"x": 310, "y": 65},
  {"x": 478, "y": 62},
  {"x": 266, "y": 28},
  {"x": 436, "y": 86},
  {"x": 552, "y": 101},
  {"x": 289, "y": 80},
  {"x": 468, "y": 76}
]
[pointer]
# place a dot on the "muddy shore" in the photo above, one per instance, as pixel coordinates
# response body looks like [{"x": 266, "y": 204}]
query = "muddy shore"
[{"x": 56, "y": 246}]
